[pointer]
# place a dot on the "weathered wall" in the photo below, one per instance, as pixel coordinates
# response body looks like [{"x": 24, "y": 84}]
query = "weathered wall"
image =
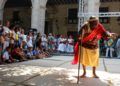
[
  {"x": 24, "y": 13},
  {"x": 114, "y": 25}
]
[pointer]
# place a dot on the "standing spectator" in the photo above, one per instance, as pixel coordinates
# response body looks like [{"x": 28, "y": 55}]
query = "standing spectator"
[
  {"x": 70, "y": 45},
  {"x": 102, "y": 47},
  {"x": 30, "y": 40},
  {"x": 38, "y": 41},
  {"x": 51, "y": 42},
  {"x": 1, "y": 28},
  {"x": 62, "y": 44},
  {"x": 1, "y": 40},
  {"x": 44, "y": 42},
  {"x": 55, "y": 42},
  {"x": 118, "y": 47},
  {"x": 109, "y": 49},
  {"x": 22, "y": 39},
  {"x": 12, "y": 36},
  {"x": 7, "y": 27},
  {"x": 17, "y": 36}
]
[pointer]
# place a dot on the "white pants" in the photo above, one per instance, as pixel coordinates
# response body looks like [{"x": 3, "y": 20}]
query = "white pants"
[
  {"x": 70, "y": 48},
  {"x": 109, "y": 50}
]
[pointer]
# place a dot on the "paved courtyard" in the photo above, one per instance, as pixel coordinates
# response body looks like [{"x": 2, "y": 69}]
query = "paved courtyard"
[{"x": 58, "y": 71}]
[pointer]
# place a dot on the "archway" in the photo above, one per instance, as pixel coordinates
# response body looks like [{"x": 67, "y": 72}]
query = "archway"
[{"x": 18, "y": 12}]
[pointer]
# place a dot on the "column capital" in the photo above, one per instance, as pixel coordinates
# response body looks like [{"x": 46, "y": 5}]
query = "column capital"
[
  {"x": 41, "y": 3},
  {"x": 39, "y": 7},
  {"x": 2, "y": 3}
]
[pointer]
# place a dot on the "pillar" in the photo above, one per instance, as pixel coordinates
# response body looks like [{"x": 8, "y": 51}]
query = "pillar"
[
  {"x": 92, "y": 6},
  {"x": 38, "y": 15},
  {"x": 2, "y": 3}
]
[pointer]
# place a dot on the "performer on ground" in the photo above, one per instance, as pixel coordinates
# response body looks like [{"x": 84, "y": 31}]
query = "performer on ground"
[{"x": 87, "y": 47}]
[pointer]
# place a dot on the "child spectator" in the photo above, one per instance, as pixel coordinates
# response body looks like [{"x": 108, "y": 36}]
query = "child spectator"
[
  {"x": 30, "y": 51},
  {"x": 7, "y": 57}
]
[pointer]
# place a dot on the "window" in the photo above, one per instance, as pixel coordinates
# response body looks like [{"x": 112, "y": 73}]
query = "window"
[
  {"x": 104, "y": 19},
  {"x": 72, "y": 16}
]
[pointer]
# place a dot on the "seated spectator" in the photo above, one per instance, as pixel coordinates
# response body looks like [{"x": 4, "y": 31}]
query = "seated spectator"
[
  {"x": 18, "y": 54},
  {"x": 45, "y": 53},
  {"x": 6, "y": 56},
  {"x": 30, "y": 54},
  {"x": 38, "y": 54},
  {"x": 23, "y": 40}
]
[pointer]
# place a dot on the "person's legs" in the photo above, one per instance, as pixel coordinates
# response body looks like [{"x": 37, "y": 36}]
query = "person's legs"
[
  {"x": 94, "y": 73},
  {"x": 107, "y": 52},
  {"x": 111, "y": 52},
  {"x": 84, "y": 71}
]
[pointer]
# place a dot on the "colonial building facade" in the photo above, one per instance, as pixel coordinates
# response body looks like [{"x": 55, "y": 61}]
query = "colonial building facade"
[{"x": 56, "y": 16}]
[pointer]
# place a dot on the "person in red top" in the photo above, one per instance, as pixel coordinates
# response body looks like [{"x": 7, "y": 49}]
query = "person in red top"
[
  {"x": 18, "y": 54},
  {"x": 86, "y": 49}
]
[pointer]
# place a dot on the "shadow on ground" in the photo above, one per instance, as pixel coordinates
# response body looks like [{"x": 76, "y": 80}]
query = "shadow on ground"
[{"x": 43, "y": 76}]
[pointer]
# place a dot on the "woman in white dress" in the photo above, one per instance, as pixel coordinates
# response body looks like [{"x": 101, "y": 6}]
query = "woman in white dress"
[{"x": 62, "y": 44}]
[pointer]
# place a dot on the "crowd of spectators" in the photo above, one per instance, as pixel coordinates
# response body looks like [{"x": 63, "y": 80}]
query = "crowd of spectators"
[
  {"x": 16, "y": 45},
  {"x": 110, "y": 47}
]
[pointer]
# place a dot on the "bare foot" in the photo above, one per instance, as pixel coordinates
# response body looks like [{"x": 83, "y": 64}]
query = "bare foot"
[
  {"x": 83, "y": 76},
  {"x": 95, "y": 76}
]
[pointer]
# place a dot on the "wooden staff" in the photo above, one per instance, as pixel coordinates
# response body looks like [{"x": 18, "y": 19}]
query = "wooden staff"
[{"x": 80, "y": 57}]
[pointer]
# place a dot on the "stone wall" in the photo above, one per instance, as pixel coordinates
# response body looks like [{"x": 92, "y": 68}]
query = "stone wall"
[
  {"x": 60, "y": 14},
  {"x": 24, "y": 13},
  {"x": 114, "y": 25},
  {"x": 57, "y": 17}
]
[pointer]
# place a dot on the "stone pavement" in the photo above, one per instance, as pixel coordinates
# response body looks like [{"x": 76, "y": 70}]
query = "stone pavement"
[{"x": 58, "y": 71}]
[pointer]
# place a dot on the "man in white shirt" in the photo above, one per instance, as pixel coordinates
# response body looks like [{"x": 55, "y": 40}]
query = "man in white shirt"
[{"x": 6, "y": 27}]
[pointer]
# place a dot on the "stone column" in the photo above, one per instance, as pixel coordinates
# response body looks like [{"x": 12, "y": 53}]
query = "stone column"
[
  {"x": 2, "y": 3},
  {"x": 92, "y": 6},
  {"x": 1, "y": 14},
  {"x": 38, "y": 15}
]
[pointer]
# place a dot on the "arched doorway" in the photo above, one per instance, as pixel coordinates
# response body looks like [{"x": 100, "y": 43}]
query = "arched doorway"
[{"x": 18, "y": 12}]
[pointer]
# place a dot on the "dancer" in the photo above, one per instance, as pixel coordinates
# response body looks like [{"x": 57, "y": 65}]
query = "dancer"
[{"x": 90, "y": 33}]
